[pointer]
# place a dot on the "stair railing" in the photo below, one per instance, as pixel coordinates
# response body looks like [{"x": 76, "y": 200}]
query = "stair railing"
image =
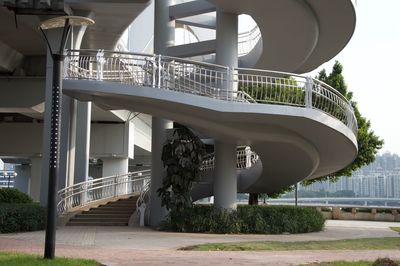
[{"x": 81, "y": 194}]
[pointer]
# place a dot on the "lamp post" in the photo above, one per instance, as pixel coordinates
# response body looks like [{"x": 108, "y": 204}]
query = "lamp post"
[{"x": 64, "y": 22}]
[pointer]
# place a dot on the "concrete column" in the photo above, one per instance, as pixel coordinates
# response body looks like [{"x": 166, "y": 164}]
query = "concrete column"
[
  {"x": 82, "y": 145},
  {"x": 115, "y": 166},
  {"x": 164, "y": 28},
  {"x": 164, "y": 36},
  {"x": 227, "y": 39},
  {"x": 36, "y": 191},
  {"x": 22, "y": 180},
  {"x": 225, "y": 180},
  {"x": 158, "y": 138}
]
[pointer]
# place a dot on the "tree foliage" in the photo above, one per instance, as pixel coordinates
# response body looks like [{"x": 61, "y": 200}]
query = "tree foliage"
[
  {"x": 182, "y": 156},
  {"x": 368, "y": 142}
]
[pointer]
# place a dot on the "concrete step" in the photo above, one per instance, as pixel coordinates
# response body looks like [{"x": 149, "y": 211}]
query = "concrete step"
[
  {"x": 122, "y": 204},
  {"x": 92, "y": 219},
  {"x": 102, "y": 216},
  {"x": 117, "y": 207},
  {"x": 115, "y": 213},
  {"x": 109, "y": 211},
  {"x": 97, "y": 223}
]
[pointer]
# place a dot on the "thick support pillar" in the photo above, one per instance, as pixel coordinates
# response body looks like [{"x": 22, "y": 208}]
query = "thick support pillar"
[
  {"x": 227, "y": 39},
  {"x": 22, "y": 180},
  {"x": 35, "y": 190},
  {"x": 158, "y": 138},
  {"x": 225, "y": 180},
  {"x": 82, "y": 144},
  {"x": 164, "y": 28},
  {"x": 164, "y": 36},
  {"x": 115, "y": 166}
]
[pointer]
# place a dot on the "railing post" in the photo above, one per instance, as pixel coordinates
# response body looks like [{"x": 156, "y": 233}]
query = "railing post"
[
  {"x": 159, "y": 74},
  {"x": 349, "y": 116},
  {"x": 308, "y": 92},
  {"x": 66, "y": 64},
  {"x": 115, "y": 185},
  {"x": 248, "y": 156},
  {"x": 154, "y": 68},
  {"x": 100, "y": 60},
  {"x": 83, "y": 194}
]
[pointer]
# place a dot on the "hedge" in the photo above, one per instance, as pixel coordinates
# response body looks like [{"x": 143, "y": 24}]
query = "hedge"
[
  {"x": 17, "y": 217},
  {"x": 246, "y": 219},
  {"x": 12, "y": 195}
]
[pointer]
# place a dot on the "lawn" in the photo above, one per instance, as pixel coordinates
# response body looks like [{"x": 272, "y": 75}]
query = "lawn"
[
  {"x": 350, "y": 263},
  {"x": 397, "y": 229},
  {"x": 351, "y": 244},
  {"x": 18, "y": 259}
]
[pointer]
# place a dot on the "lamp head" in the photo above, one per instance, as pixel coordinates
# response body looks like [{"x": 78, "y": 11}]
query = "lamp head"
[
  {"x": 65, "y": 22},
  {"x": 60, "y": 22}
]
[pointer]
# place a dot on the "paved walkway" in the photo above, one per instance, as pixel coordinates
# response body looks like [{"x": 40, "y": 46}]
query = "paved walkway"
[{"x": 137, "y": 246}]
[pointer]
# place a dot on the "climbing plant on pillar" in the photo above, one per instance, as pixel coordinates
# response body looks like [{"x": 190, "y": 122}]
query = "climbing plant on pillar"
[{"x": 182, "y": 156}]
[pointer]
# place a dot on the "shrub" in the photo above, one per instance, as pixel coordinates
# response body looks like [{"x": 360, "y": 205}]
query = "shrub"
[
  {"x": 12, "y": 195},
  {"x": 21, "y": 217},
  {"x": 384, "y": 262},
  {"x": 246, "y": 219}
]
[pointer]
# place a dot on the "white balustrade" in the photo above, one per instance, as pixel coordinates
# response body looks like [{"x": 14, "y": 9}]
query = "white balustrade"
[{"x": 210, "y": 80}]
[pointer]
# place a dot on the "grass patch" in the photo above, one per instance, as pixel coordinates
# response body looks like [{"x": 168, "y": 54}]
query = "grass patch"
[
  {"x": 349, "y": 244},
  {"x": 342, "y": 263},
  {"x": 396, "y": 229},
  {"x": 17, "y": 259},
  {"x": 378, "y": 262}
]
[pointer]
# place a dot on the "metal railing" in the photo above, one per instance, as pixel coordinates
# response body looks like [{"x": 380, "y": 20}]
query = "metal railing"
[
  {"x": 81, "y": 194},
  {"x": 272, "y": 87},
  {"x": 245, "y": 158},
  {"x": 248, "y": 40},
  {"x": 210, "y": 80}
]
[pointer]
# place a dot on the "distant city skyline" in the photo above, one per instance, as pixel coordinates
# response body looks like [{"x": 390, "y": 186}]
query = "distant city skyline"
[{"x": 380, "y": 179}]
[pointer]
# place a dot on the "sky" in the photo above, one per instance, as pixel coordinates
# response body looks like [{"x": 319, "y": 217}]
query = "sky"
[{"x": 371, "y": 63}]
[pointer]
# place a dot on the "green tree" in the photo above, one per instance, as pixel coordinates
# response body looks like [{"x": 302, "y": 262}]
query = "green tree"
[
  {"x": 368, "y": 142},
  {"x": 182, "y": 156}
]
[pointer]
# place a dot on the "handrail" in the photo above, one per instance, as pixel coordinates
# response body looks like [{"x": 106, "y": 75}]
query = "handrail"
[
  {"x": 248, "y": 40},
  {"x": 210, "y": 80},
  {"x": 83, "y": 193}
]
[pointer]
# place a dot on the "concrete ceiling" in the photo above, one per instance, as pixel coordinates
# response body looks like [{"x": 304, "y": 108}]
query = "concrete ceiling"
[{"x": 24, "y": 38}]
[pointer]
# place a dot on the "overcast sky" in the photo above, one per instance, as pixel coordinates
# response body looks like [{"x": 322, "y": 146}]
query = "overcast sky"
[{"x": 371, "y": 64}]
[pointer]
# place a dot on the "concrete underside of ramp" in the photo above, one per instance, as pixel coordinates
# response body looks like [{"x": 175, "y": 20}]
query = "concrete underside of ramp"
[
  {"x": 293, "y": 143},
  {"x": 297, "y": 36}
]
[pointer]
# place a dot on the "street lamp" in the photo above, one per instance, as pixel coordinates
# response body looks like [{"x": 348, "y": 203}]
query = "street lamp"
[{"x": 65, "y": 22}]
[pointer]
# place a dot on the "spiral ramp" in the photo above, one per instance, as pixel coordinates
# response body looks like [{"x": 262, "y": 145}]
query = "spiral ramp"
[
  {"x": 293, "y": 142},
  {"x": 296, "y": 36}
]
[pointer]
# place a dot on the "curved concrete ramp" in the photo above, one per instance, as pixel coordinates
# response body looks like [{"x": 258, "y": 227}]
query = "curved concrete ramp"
[
  {"x": 297, "y": 36},
  {"x": 293, "y": 143}
]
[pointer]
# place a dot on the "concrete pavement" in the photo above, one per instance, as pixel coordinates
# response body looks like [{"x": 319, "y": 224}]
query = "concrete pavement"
[{"x": 138, "y": 246}]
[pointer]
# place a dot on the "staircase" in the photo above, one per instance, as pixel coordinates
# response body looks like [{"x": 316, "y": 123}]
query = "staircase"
[{"x": 116, "y": 213}]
